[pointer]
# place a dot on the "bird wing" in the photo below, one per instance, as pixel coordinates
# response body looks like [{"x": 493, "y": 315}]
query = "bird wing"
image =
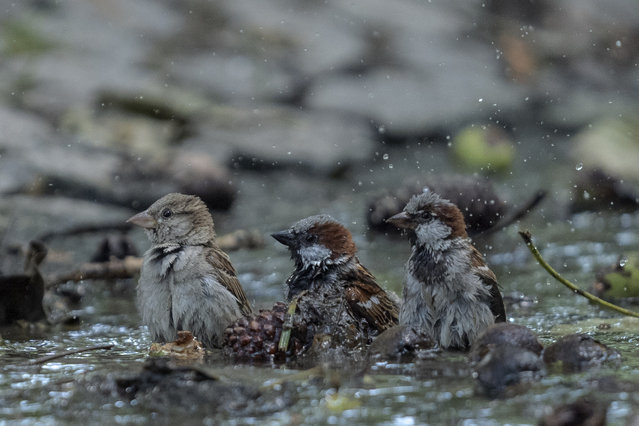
[
  {"x": 489, "y": 279},
  {"x": 225, "y": 273},
  {"x": 368, "y": 300}
]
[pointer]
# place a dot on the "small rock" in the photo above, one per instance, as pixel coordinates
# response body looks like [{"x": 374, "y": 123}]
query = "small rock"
[
  {"x": 275, "y": 137},
  {"x": 233, "y": 76},
  {"x": 400, "y": 341},
  {"x": 586, "y": 411},
  {"x": 499, "y": 367},
  {"x": 394, "y": 98},
  {"x": 506, "y": 334},
  {"x": 579, "y": 352}
]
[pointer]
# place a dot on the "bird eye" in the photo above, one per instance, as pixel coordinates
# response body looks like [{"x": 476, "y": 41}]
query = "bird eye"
[
  {"x": 167, "y": 213},
  {"x": 311, "y": 238}
]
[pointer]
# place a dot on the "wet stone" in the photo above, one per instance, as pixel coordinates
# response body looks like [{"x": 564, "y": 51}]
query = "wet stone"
[
  {"x": 302, "y": 37},
  {"x": 272, "y": 137},
  {"x": 499, "y": 368},
  {"x": 402, "y": 341},
  {"x": 506, "y": 334},
  {"x": 231, "y": 76},
  {"x": 579, "y": 352},
  {"x": 395, "y": 98}
]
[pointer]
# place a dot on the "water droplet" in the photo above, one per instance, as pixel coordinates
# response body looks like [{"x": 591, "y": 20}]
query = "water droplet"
[
  {"x": 579, "y": 166},
  {"x": 390, "y": 166},
  {"x": 381, "y": 130},
  {"x": 586, "y": 195},
  {"x": 480, "y": 100},
  {"x": 623, "y": 261},
  {"x": 385, "y": 156},
  {"x": 618, "y": 43}
]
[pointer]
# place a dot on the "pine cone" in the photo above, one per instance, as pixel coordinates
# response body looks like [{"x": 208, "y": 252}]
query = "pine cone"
[{"x": 255, "y": 338}]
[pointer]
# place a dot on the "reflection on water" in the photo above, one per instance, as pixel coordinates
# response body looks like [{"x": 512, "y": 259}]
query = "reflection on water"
[{"x": 438, "y": 390}]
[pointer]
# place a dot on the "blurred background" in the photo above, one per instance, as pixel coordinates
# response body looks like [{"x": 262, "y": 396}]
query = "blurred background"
[{"x": 273, "y": 110}]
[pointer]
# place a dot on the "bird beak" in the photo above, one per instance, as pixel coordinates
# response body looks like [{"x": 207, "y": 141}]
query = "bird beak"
[
  {"x": 401, "y": 220},
  {"x": 144, "y": 220},
  {"x": 284, "y": 237}
]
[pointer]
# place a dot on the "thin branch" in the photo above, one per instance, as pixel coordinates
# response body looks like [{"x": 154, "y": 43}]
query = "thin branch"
[
  {"x": 517, "y": 214},
  {"x": 130, "y": 266},
  {"x": 114, "y": 269},
  {"x": 86, "y": 229},
  {"x": 528, "y": 240},
  {"x": 48, "y": 358}
]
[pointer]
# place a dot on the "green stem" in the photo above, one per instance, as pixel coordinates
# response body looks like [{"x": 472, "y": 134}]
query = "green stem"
[
  {"x": 528, "y": 240},
  {"x": 288, "y": 323}
]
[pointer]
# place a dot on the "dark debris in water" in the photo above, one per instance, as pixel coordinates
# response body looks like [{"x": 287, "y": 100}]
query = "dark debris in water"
[
  {"x": 172, "y": 389},
  {"x": 21, "y": 294},
  {"x": 586, "y": 411}
]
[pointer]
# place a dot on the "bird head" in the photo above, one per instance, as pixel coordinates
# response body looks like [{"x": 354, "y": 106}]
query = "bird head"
[
  {"x": 317, "y": 241},
  {"x": 177, "y": 219},
  {"x": 431, "y": 218}
]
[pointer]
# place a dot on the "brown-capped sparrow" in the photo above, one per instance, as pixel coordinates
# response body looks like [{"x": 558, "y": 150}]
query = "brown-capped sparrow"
[
  {"x": 448, "y": 289},
  {"x": 336, "y": 296},
  {"x": 326, "y": 264},
  {"x": 187, "y": 282}
]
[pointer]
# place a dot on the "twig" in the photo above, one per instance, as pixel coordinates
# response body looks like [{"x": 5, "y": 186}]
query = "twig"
[
  {"x": 114, "y": 269},
  {"x": 285, "y": 337},
  {"x": 518, "y": 214},
  {"x": 528, "y": 240},
  {"x": 130, "y": 266},
  {"x": 48, "y": 358},
  {"x": 86, "y": 229}
]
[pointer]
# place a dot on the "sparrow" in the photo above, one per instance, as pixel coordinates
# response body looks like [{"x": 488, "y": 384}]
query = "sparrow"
[
  {"x": 448, "y": 289},
  {"x": 332, "y": 286},
  {"x": 186, "y": 282}
]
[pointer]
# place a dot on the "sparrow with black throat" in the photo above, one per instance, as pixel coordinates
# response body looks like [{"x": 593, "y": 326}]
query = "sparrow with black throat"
[
  {"x": 339, "y": 303},
  {"x": 448, "y": 290}
]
